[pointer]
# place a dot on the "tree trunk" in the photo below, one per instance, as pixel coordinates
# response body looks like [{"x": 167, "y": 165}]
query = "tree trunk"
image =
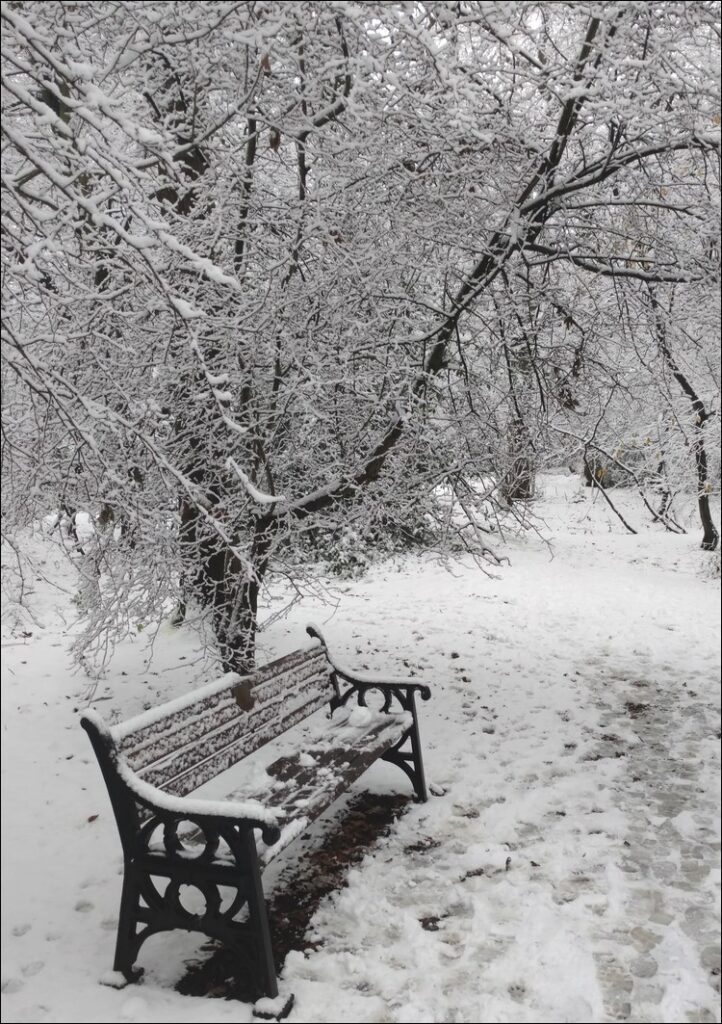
[
  {"x": 710, "y": 536},
  {"x": 231, "y": 590},
  {"x": 519, "y": 482}
]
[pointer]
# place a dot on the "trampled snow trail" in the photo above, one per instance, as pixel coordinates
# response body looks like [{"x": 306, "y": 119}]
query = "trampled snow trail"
[
  {"x": 671, "y": 948},
  {"x": 569, "y": 872}
]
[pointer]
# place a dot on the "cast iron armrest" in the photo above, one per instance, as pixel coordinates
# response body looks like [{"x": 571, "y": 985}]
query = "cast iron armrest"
[
  {"x": 403, "y": 690},
  {"x": 370, "y": 682}
]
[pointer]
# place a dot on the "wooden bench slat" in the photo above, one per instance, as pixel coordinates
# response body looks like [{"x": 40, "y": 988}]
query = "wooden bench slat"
[
  {"x": 190, "y": 726},
  {"x": 296, "y": 789},
  {"x": 184, "y": 772},
  {"x": 309, "y": 789}
]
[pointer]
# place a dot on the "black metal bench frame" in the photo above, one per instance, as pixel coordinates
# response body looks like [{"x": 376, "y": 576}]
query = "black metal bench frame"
[{"x": 224, "y": 848}]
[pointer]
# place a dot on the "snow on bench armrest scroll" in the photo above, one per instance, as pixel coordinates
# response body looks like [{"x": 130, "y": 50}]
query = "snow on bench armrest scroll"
[{"x": 368, "y": 678}]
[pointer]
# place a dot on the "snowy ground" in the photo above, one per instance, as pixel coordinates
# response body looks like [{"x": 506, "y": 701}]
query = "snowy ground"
[{"x": 570, "y": 871}]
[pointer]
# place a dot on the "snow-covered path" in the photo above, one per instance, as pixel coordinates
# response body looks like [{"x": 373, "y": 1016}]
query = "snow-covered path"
[
  {"x": 672, "y": 947},
  {"x": 570, "y": 871}
]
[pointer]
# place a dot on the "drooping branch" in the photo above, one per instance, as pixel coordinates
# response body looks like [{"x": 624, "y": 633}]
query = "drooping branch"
[
  {"x": 597, "y": 483},
  {"x": 591, "y": 443}
]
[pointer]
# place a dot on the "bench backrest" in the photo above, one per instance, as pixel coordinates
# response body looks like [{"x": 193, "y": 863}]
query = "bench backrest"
[{"x": 181, "y": 745}]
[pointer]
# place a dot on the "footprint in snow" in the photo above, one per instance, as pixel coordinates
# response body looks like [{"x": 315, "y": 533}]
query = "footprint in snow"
[
  {"x": 517, "y": 991},
  {"x": 31, "y": 969},
  {"x": 644, "y": 967},
  {"x": 9, "y": 980}
]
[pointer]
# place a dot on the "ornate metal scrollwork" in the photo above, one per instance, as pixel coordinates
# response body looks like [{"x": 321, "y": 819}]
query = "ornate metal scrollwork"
[
  {"x": 408, "y": 760},
  {"x": 184, "y": 850}
]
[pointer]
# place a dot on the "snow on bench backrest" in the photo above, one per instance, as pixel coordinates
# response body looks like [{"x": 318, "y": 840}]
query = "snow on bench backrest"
[{"x": 179, "y": 746}]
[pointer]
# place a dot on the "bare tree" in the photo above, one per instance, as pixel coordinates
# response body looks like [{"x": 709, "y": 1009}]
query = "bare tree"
[{"x": 252, "y": 254}]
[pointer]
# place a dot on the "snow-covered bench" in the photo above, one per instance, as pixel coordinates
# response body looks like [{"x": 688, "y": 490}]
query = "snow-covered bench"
[{"x": 193, "y": 745}]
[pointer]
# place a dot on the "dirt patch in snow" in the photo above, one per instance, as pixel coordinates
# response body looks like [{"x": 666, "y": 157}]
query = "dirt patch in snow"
[{"x": 296, "y": 897}]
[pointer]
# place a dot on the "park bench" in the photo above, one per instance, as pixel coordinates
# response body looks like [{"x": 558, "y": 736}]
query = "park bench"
[{"x": 218, "y": 843}]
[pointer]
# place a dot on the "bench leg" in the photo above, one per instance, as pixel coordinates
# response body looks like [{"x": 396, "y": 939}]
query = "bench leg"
[
  {"x": 419, "y": 779},
  {"x": 258, "y": 916},
  {"x": 410, "y": 761},
  {"x": 126, "y": 949}
]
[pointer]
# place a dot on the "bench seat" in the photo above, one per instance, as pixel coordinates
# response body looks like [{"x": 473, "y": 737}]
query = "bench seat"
[{"x": 324, "y": 759}]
